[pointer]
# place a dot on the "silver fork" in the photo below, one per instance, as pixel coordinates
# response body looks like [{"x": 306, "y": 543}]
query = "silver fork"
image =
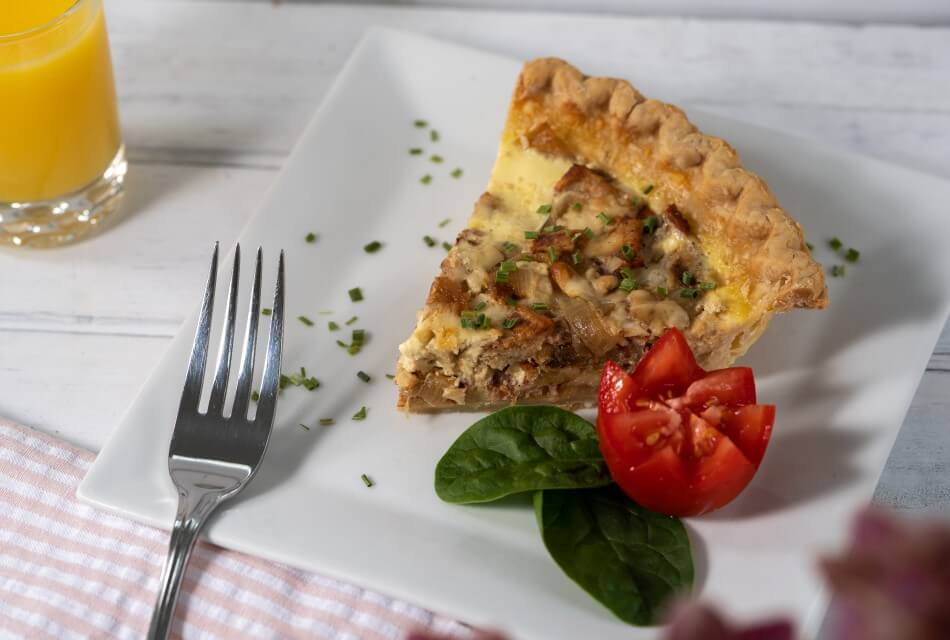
[{"x": 212, "y": 456}]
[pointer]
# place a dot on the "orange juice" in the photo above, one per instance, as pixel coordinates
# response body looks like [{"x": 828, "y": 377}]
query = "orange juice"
[{"x": 59, "y": 127}]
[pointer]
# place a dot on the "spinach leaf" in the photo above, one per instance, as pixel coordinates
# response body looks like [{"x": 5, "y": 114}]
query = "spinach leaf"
[
  {"x": 631, "y": 560},
  {"x": 521, "y": 449}
]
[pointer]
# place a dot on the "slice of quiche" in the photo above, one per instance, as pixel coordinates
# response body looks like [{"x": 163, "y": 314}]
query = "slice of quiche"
[{"x": 608, "y": 218}]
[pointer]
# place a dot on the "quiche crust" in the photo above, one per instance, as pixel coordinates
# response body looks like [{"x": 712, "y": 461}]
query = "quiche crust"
[{"x": 573, "y": 145}]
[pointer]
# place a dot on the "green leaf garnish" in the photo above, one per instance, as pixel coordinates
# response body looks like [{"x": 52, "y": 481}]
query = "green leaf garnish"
[
  {"x": 415, "y": 151},
  {"x": 360, "y": 415},
  {"x": 255, "y": 396},
  {"x": 420, "y": 124},
  {"x": 436, "y": 158},
  {"x": 332, "y": 326},
  {"x": 266, "y": 312},
  {"x": 430, "y": 241},
  {"x": 373, "y": 247},
  {"x": 707, "y": 285},
  {"x": 520, "y": 449},
  {"x": 589, "y": 233},
  {"x": 628, "y": 284},
  {"x": 834, "y": 243},
  {"x": 539, "y": 306},
  {"x": 628, "y": 252},
  {"x": 355, "y": 294},
  {"x": 481, "y": 305},
  {"x": 426, "y": 179},
  {"x": 631, "y": 560},
  {"x": 689, "y": 293},
  {"x": 510, "y": 247},
  {"x": 852, "y": 255},
  {"x": 434, "y": 135},
  {"x": 311, "y": 237},
  {"x": 509, "y": 323},
  {"x": 687, "y": 278},
  {"x": 456, "y": 172},
  {"x": 359, "y": 336},
  {"x": 362, "y": 375},
  {"x": 530, "y": 235},
  {"x": 663, "y": 291},
  {"x": 307, "y": 321},
  {"x": 603, "y": 217}
]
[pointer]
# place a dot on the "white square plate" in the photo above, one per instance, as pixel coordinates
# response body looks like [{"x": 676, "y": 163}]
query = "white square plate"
[{"x": 842, "y": 378}]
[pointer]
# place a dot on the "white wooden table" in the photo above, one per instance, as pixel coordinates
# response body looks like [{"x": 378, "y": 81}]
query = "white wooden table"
[{"x": 214, "y": 94}]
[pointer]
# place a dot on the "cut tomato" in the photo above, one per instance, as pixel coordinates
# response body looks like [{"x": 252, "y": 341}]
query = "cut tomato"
[{"x": 679, "y": 440}]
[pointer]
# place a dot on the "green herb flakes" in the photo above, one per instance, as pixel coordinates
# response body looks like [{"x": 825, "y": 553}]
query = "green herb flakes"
[
  {"x": 456, "y": 172},
  {"x": 530, "y": 235},
  {"x": 662, "y": 291},
  {"x": 628, "y": 252},
  {"x": 332, "y": 326},
  {"x": 445, "y": 222},
  {"x": 689, "y": 293},
  {"x": 426, "y": 179},
  {"x": 415, "y": 151},
  {"x": 628, "y": 284},
  {"x": 420, "y": 124},
  {"x": 603, "y": 217},
  {"x": 434, "y": 136},
  {"x": 255, "y": 396},
  {"x": 837, "y": 271},
  {"x": 480, "y": 306},
  {"x": 707, "y": 285},
  {"x": 509, "y": 323},
  {"x": 435, "y": 158},
  {"x": 539, "y": 306},
  {"x": 552, "y": 253},
  {"x": 359, "y": 336},
  {"x": 356, "y": 294},
  {"x": 687, "y": 278},
  {"x": 326, "y": 422},
  {"x": 360, "y": 415},
  {"x": 311, "y": 237},
  {"x": 577, "y": 206},
  {"x": 307, "y": 321},
  {"x": 367, "y": 480},
  {"x": 647, "y": 189},
  {"x": 447, "y": 246},
  {"x": 351, "y": 320},
  {"x": 303, "y": 426},
  {"x": 362, "y": 375},
  {"x": 510, "y": 247},
  {"x": 589, "y": 233},
  {"x": 834, "y": 243},
  {"x": 266, "y": 312},
  {"x": 650, "y": 224},
  {"x": 576, "y": 258},
  {"x": 852, "y": 255},
  {"x": 390, "y": 376},
  {"x": 544, "y": 208},
  {"x": 430, "y": 241},
  {"x": 373, "y": 246}
]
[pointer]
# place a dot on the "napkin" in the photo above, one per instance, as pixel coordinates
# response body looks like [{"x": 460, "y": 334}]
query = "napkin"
[{"x": 68, "y": 570}]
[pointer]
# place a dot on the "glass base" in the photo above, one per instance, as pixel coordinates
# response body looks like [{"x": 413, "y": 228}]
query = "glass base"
[{"x": 51, "y": 223}]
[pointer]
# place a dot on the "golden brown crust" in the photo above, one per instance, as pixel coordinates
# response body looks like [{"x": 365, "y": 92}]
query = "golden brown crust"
[{"x": 610, "y": 126}]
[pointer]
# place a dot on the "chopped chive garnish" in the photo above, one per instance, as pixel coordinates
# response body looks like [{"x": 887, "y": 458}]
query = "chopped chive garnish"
[
  {"x": 353, "y": 349},
  {"x": 447, "y": 246},
  {"x": 650, "y": 224},
  {"x": 390, "y": 376},
  {"x": 303, "y": 426},
  {"x": 326, "y": 422},
  {"x": 255, "y": 396},
  {"x": 834, "y": 243},
  {"x": 627, "y": 272},
  {"x": 530, "y": 235},
  {"x": 456, "y": 172},
  {"x": 509, "y": 323},
  {"x": 852, "y": 255},
  {"x": 576, "y": 257},
  {"x": 342, "y": 344},
  {"x": 325, "y": 313},
  {"x": 810, "y": 246},
  {"x": 430, "y": 241},
  {"x": 373, "y": 246},
  {"x": 507, "y": 265},
  {"x": 707, "y": 285},
  {"x": 603, "y": 217},
  {"x": 837, "y": 271},
  {"x": 367, "y": 481},
  {"x": 628, "y": 284},
  {"x": 426, "y": 179},
  {"x": 544, "y": 208},
  {"x": 552, "y": 253},
  {"x": 577, "y": 206},
  {"x": 415, "y": 151},
  {"x": 501, "y": 276},
  {"x": 266, "y": 312},
  {"x": 510, "y": 247},
  {"x": 298, "y": 380},
  {"x": 434, "y": 135},
  {"x": 359, "y": 336},
  {"x": 483, "y": 322},
  {"x": 362, "y": 375},
  {"x": 647, "y": 189},
  {"x": 445, "y": 222},
  {"x": 549, "y": 228},
  {"x": 360, "y": 415},
  {"x": 628, "y": 252},
  {"x": 588, "y": 232},
  {"x": 436, "y": 158},
  {"x": 687, "y": 278},
  {"x": 481, "y": 305},
  {"x": 355, "y": 294},
  {"x": 420, "y": 124},
  {"x": 634, "y": 202},
  {"x": 311, "y": 237},
  {"x": 539, "y": 306},
  {"x": 332, "y": 326},
  {"x": 307, "y": 321},
  {"x": 662, "y": 291},
  {"x": 689, "y": 293},
  {"x": 351, "y": 320}
]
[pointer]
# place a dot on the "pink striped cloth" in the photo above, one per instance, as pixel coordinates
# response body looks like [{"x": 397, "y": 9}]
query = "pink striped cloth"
[{"x": 68, "y": 570}]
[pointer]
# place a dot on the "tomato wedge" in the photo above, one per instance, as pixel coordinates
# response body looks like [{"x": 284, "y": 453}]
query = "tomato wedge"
[{"x": 677, "y": 439}]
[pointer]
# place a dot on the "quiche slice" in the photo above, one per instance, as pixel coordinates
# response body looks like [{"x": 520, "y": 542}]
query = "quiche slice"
[{"x": 608, "y": 218}]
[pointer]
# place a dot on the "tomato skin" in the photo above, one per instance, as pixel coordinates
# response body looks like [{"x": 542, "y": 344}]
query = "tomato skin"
[{"x": 679, "y": 440}]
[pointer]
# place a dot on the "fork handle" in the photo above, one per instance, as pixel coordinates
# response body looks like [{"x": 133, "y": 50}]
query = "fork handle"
[{"x": 193, "y": 512}]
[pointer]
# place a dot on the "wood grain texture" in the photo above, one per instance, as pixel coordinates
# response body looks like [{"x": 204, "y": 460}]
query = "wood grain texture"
[{"x": 214, "y": 94}]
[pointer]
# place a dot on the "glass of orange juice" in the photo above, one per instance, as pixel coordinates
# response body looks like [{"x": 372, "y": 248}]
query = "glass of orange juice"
[{"x": 62, "y": 163}]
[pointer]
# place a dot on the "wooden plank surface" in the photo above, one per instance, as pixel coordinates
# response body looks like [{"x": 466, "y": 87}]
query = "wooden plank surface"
[{"x": 214, "y": 94}]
